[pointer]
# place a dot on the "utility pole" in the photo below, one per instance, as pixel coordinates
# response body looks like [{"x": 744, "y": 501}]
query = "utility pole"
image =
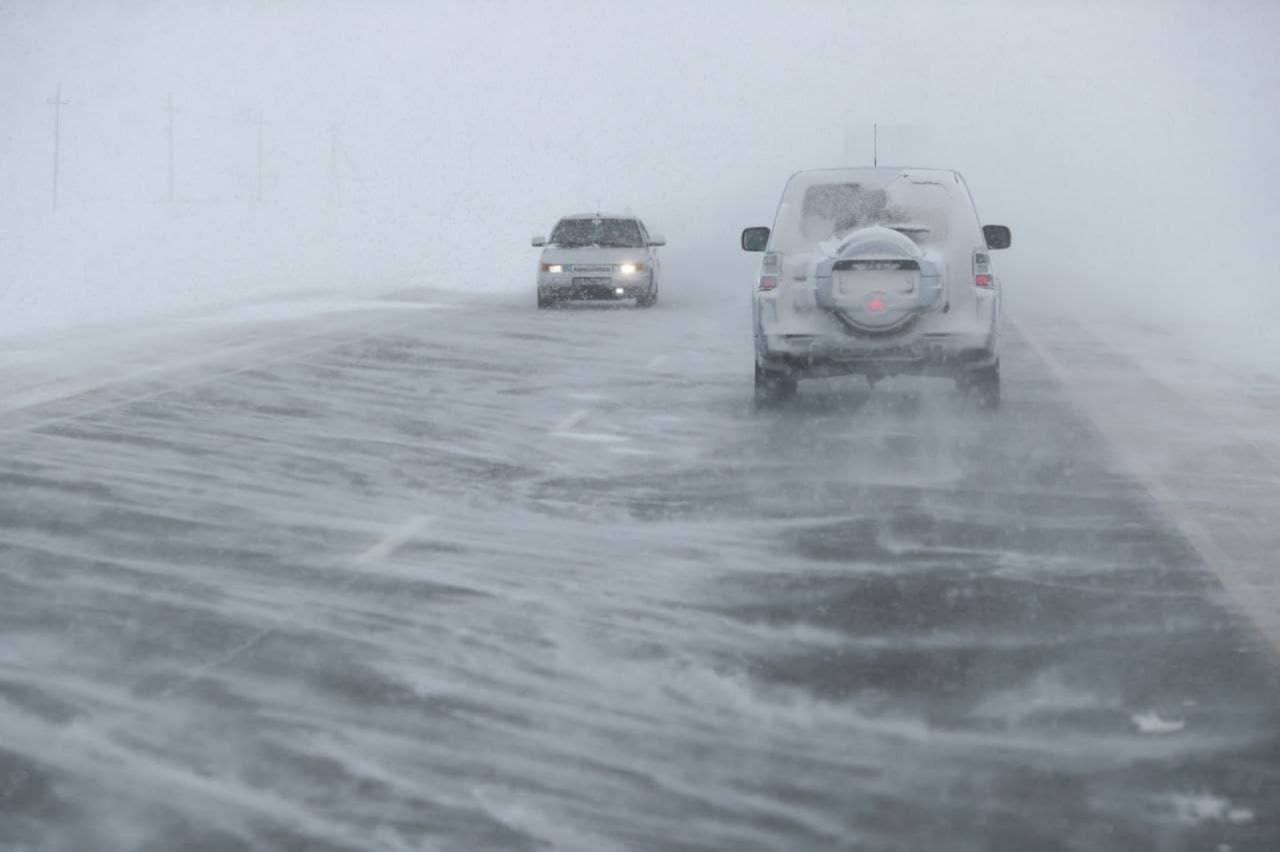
[
  {"x": 57, "y": 103},
  {"x": 170, "y": 111},
  {"x": 334, "y": 194},
  {"x": 875, "y": 145},
  {"x": 259, "y": 121}
]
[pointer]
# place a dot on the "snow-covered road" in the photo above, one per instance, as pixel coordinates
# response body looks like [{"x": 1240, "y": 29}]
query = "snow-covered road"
[{"x": 483, "y": 577}]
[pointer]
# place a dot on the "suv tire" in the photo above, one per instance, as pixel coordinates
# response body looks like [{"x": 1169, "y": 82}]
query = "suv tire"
[
  {"x": 982, "y": 386},
  {"x": 773, "y": 387}
]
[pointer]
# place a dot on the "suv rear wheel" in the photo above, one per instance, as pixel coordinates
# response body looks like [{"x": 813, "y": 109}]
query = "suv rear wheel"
[
  {"x": 982, "y": 386},
  {"x": 773, "y": 387}
]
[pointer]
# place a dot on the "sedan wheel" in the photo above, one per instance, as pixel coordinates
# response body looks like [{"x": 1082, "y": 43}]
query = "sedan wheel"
[{"x": 648, "y": 300}]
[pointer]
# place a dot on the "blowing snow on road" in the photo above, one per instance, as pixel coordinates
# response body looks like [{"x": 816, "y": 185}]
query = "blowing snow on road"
[{"x": 398, "y": 587}]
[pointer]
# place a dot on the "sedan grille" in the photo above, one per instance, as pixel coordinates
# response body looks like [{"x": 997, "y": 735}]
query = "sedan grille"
[{"x": 597, "y": 268}]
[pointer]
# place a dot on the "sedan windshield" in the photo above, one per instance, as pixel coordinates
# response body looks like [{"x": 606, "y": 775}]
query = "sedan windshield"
[{"x": 611, "y": 233}]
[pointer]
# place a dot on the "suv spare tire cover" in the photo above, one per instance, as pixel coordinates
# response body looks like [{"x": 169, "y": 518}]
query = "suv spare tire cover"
[{"x": 877, "y": 311}]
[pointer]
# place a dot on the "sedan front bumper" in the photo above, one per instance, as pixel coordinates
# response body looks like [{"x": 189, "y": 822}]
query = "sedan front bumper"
[{"x": 593, "y": 287}]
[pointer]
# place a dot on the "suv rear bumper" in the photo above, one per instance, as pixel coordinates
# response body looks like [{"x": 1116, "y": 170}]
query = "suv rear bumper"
[{"x": 922, "y": 355}]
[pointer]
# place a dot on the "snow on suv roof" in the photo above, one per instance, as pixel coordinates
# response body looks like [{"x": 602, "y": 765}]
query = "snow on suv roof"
[
  {"x": 601, "y": 216},
  {"x": 884, "y": 173}
]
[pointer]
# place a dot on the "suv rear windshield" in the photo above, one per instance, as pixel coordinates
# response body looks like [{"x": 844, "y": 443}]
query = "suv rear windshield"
[
  {"x": 610, "y": 233},
  {"x": 817, "y": 207}
]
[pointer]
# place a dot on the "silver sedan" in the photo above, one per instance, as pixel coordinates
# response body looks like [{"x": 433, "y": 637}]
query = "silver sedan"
[{"x": 592, "y": 256}]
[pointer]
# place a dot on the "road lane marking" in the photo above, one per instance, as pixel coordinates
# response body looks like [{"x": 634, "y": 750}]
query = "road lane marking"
[
  {"x": 1154, "y": 723},
  {"x": 385, "y": 548},
  {"x": 565, "y": 427},
  {"x": 396, "y": 539},
  {"x": 571, "y": 421},
  {"x": 596, "y": 437}
]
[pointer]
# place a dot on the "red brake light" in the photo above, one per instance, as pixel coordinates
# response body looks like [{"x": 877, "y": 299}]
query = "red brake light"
[
  {"x": 984, "y": 280},
  {"x": 768, "y": 282},
  {"x": 876, "y": 305}
]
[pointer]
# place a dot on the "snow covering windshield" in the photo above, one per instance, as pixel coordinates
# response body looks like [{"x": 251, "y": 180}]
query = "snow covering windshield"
[
  {"x": 819, "y": 206},
  {"x": 609, "y": 233}
]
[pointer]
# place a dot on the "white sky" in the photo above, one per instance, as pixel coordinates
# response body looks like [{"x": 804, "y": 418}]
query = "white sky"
[{"x": 1128, "y": 144}]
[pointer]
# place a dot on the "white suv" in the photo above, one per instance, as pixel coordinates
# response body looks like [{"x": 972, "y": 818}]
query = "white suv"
[
  {"x": 593, "y": 256},
  {"x": 877, "y": 272}
]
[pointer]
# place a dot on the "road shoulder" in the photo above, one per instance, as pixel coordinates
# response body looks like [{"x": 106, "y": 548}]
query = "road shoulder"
[{"x": 1195, "y": 447}]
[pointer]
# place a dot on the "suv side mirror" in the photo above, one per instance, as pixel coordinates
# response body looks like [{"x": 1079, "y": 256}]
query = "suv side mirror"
[
  {"x": 657, "y": 240},
  {"x": 755, "y": 239},
  {"x": 997, "y": 236},
  {"x": 538, "y": 242}
]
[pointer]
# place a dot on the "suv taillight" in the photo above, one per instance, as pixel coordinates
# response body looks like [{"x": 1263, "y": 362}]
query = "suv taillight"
[
  {"x": 769, "y": 271},
  {"x": 982, "y": 276}
]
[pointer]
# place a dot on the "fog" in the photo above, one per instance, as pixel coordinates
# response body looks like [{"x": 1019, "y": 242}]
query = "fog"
[
  {"x": 331, "y": 539},
  {"x": 1127, "y": 144}
]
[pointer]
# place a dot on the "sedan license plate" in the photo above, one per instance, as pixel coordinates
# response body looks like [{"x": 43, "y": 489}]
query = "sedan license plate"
[{"x": 592, "y": 282}]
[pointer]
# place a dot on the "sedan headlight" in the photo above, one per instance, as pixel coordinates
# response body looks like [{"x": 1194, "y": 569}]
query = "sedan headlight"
[
  {"x": 553, "y": 268},
  {"x": 631, "y": 268}
]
